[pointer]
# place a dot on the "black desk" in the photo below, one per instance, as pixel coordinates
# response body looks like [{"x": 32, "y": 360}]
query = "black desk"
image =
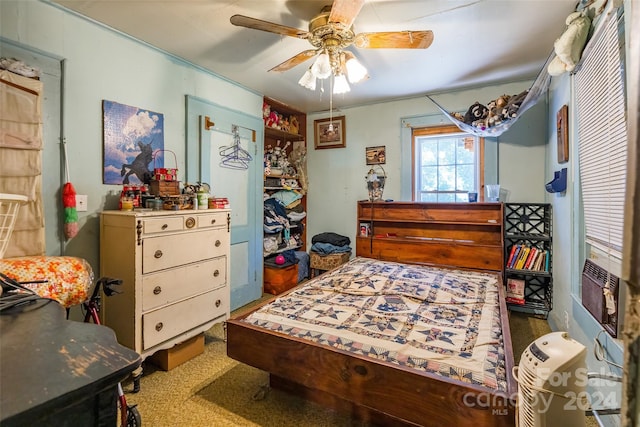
[{"x": 57, "y": 372}]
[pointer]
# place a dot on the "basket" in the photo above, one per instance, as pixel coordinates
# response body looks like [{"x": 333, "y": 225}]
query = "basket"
[
  {"x": 165, "y": 174},
  {"x": 176, "y": 203},
  {"x": 9, "y": 206}
]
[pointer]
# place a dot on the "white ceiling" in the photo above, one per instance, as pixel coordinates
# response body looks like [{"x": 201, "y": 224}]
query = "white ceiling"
[{"x": 476, "y": 42}]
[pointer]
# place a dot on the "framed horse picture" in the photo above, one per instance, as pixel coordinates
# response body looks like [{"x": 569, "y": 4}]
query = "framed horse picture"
[{"x": 131, "y": 136}]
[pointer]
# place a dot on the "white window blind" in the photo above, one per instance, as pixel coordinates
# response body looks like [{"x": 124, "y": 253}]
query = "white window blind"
[{"x": 602, "y": 136}]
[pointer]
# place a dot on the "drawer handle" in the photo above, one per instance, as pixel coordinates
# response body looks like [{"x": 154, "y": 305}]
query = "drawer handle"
[
  {"x": 213, "y": 221},
  {"x": 157, "y": 290},
  {"x": 216, "y": 273},
  {"x": 158, "y": 254},
  {"x": 165, "y": 226},
  {"x": 159, "y": 326},
  {"x": 218, "y": 302},
  {"x": 218, "y": 243},
  {"x": 190, "y": 222}
]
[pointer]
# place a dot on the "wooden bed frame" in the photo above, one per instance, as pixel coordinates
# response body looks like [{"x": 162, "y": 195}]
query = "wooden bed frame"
[{"x": 375, "y": 391}]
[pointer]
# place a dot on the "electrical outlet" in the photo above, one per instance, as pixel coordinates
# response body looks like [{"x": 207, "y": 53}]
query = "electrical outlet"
[
  {"x": 566, "y": 320},
  {"x": 82, "y": 201}
]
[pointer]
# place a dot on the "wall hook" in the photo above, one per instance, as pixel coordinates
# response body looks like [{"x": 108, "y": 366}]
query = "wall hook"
[{"x": 208, "y": 124}]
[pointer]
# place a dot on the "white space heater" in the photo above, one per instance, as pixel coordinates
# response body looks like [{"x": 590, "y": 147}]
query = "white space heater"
[{"x": 552, "y": 379}]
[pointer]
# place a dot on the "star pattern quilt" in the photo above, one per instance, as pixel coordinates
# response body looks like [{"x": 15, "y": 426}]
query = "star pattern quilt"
[{"x": 441, "y": 321}]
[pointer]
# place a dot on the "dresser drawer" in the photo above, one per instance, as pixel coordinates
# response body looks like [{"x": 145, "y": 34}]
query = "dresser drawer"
[
  {"x": 168, "y": 322},
  {"x": 163, "y": 252},
  {"x": 162, "y": 225},
  {"x": 214, "y": 219},
  {"x": 168, "y": 286}
]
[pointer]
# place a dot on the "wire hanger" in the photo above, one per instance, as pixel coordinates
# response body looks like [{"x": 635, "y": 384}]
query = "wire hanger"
[{"x": 234, "y": 156}]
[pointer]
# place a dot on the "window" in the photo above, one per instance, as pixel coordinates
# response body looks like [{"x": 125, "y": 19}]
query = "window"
[
  {"x": 446, "y": 164},
  {"x": 602, "y": 135}
]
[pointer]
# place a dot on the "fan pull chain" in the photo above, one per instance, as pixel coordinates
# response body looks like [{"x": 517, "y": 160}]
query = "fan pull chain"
[{"x": 331, "y": 103}]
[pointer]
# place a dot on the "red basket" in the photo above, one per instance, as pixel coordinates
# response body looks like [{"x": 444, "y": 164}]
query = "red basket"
[{"x": 165, "y": 174}]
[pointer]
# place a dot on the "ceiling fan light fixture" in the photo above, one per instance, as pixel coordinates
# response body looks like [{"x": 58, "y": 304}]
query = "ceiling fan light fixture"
[
  {"x": 355, "y": 70},
  {"x": 340, "y": 84},
  {"x": 321, "y": 68},
  {"x": 308, "y": 80}
]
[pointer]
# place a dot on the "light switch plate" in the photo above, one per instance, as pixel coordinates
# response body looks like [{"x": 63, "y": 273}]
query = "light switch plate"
[{"x": 82, "y": 201}]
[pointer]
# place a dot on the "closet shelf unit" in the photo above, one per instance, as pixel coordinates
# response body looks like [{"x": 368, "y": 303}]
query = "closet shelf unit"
[{"x": 277, "y": 280}]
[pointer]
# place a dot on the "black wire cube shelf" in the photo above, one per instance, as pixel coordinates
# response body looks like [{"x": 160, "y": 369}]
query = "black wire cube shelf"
[{"x": 529, "y": 225}]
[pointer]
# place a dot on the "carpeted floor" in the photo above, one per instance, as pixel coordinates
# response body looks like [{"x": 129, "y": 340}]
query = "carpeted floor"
[{"x": 214, "y": 390}]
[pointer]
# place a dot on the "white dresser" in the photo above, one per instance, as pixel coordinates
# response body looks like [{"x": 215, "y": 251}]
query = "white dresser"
[{"x": 175, "y": 271}]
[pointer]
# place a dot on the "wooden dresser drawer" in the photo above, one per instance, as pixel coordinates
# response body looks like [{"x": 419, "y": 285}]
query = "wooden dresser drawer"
[
  {"x": 162, "y": 225},
  {"x": 168, "y": 286},
  {"x": 168, "y": 322},
  {"x": 163, "y": 252},
  {"x": 214, "y": 219}
]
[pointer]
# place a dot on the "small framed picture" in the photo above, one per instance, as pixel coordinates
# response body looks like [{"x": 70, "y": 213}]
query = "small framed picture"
[
  {"x": 376, "y": 155},
  {"x": 329, "y": 133},
  {"x": 365, "y": 229}
]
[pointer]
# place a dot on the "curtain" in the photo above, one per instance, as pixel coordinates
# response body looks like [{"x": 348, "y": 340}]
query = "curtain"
[{"x": 21, "y": 159}]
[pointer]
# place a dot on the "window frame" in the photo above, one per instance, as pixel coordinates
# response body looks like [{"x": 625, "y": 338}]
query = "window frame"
[{"x": 446, "y": 130}]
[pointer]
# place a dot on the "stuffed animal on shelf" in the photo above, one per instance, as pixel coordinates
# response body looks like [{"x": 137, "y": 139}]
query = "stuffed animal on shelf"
[
  {"x": 476, "y": 112},
  {"x": 458, "y": 116},
  {"x": 266, "y": 110},
  {"x": 510, "y": 110},
  {"x": 294, "y": 126},
  {"x": 284, "y": 124},
  {"x": 272, "y": 120},
  {"x": 494, "y": 117},
  {"x": 568, "y": 47}
]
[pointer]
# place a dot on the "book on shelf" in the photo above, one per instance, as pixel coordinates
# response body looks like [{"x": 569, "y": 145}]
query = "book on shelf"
[
  {"x": 524, "y": 253},
  {"x": 539, "y": 260},
  {"x": 536, "y": 260},
  {"x": 515, "y": 291},
  {"x": 523, "y": 257},
  {"x": 512, "y": 260},
  {"x": 514, "y": 250},
  {"x": 546, "y": 262},
  {"x": 532, "y": 255}
]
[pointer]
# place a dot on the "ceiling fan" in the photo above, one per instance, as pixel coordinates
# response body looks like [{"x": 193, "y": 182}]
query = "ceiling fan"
[{"x": 330, "y": 32}]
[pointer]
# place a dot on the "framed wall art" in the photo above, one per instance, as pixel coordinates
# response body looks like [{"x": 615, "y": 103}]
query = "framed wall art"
[
  {"x": 329, "y": 133},
  {"x": 562, "y": 127},
  {"x": 376, "y": 155},
  {"x": 131, "y": 137}
]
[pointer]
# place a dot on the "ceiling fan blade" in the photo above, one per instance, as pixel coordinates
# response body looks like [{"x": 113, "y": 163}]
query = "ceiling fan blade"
[
  {"x": 395, "y": 40},
  {"x": 295, "y": 60},
  {"x": 258, "y": 24},
  {"x": 345, "y": 11}
]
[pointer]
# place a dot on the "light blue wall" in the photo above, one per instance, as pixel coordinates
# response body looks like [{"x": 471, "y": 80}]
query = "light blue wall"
[
  {"x": 337, "y": 176},
  {"x": 103, "y": 64}
]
